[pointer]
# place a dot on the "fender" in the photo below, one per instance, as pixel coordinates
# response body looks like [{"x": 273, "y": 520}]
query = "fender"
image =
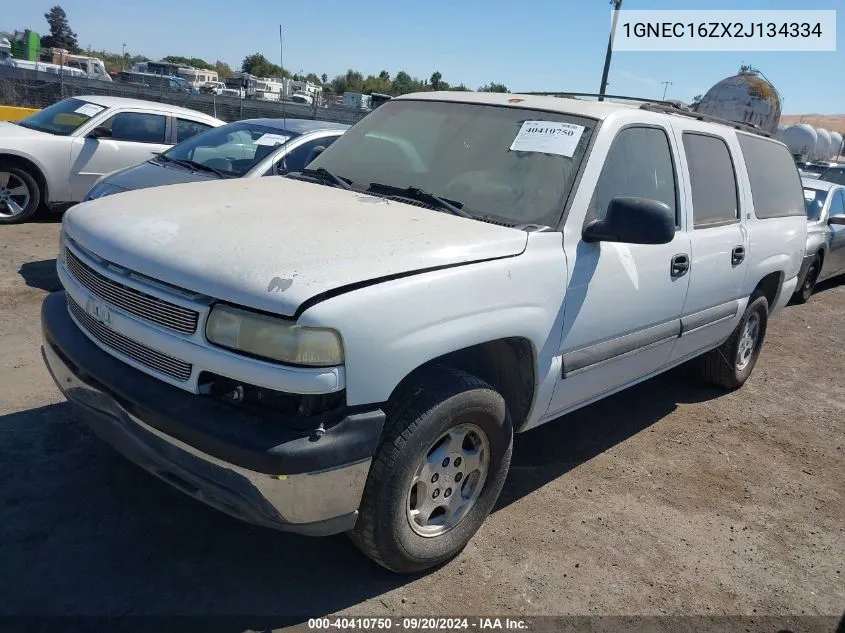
[
  {"x": 18, "y": 155},
  {"x": 392, "y": 328}
]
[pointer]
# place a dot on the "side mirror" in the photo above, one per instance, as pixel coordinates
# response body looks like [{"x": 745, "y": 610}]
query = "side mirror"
[
  {"x": 280, "y": 168},
  {"x": 839, "y": 218},
  {"x": 100, "y": 132},
  {"x": 633, "y": 221}
]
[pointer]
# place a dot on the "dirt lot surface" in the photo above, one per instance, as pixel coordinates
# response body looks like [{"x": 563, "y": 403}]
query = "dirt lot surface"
[{"x": 669, "y": 498}]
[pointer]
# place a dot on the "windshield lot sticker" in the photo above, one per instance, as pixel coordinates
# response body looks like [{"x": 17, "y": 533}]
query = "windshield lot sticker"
[
  {"x": 272, "y": 139},
  {"x": 89, "y": 109},
  {"x": 548, "y": 137}
]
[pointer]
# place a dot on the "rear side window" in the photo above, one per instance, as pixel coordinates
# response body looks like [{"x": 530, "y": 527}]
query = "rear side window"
[
  {"x": 775, "y": 184},
  {"x": 638, "y": 164},
  {"x": 186, "y": 129},
  {"x": 713, "y": 181}
]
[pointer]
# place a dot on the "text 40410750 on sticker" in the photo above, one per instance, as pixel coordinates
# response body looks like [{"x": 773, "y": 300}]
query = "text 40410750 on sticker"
[{"x": 548, "y": 137}]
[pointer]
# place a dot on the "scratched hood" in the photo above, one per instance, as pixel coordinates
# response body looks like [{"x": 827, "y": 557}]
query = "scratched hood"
[{"x": 272, "y": 243}]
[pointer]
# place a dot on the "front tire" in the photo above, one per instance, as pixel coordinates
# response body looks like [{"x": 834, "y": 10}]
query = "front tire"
[
  {"x": 730, "y": 365},
  {"x": 20, "y": 194},
  {"x": 808, "y": 285},
  {"x": 437, "y": 473}
]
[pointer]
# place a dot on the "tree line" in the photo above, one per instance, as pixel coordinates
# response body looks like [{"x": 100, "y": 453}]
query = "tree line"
[{"x": 62, "y": 36}]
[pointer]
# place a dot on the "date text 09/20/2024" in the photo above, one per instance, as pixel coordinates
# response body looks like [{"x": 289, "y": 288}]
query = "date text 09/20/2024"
[{"x": 416, "y": 624}]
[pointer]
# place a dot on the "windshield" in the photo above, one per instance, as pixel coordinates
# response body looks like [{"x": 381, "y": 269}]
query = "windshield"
[
  {"x": 510, "y": 163},
  {"x": 62, "y": 118},
  {"x": 814, "y": 203},
  {"x": 233, "y": 149},
  {"x": 834, "y": 174}
]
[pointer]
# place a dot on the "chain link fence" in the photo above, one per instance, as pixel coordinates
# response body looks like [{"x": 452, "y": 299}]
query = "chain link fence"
[{"x": 31, "y": 89}]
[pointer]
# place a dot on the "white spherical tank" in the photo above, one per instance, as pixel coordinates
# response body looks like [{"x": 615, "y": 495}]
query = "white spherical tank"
[
  {"x": 835, "y": 145},
  {"x": 800, "y": 139},
  {"x": 745, "y": 98},
  {"x": 822, "y": 144}
]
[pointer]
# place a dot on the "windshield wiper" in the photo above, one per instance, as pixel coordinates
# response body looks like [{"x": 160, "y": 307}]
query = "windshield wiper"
[
  {"x": 325, "y": 175},
  {"x": 415, "y": 193},
  {"x": 194, "y": 165}
]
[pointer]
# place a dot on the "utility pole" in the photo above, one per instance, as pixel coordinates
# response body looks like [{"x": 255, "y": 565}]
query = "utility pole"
[
  {"x": 666, "y": 85},
  {"x": 123, "y": 59},
  {"x": 617, "y": 4}
]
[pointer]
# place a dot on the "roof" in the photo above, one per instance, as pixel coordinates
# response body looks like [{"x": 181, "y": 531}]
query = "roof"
[
  {"x": 114, "y": 102},
  {"x": 821, "y": 185},
  {"x": 298, "y": 126},
  {"x": 566, "y": 105}
]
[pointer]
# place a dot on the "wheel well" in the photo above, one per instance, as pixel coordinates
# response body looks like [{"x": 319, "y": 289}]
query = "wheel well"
[
  {"x": 506, "y": 364},
  {"x": 770, "y": 286},
  {"x": 821, "y": 258},
  {"x": 32, "y": 168}
]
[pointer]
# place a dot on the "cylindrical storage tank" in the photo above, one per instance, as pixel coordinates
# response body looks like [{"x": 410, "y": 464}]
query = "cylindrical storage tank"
[
  {"x": 835, "y": 145},
  {"x": 800, "y": 139},
  {"x": 745, "y": 98},
  {"x": 822, "y": 144}
]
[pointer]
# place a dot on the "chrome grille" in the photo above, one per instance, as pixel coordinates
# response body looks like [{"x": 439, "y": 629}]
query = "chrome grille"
[
  {"x": 147, "y": 307},
  {"x": 178, "y": 369}
]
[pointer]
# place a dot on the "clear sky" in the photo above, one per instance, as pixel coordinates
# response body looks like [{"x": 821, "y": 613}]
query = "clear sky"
[{"x": 554, "y": 45}]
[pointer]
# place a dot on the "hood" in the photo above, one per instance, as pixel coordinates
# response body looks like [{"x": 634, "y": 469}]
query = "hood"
[
  {"x": 148, "y": 174},
  {"x": 12, "y": 132},
  {"x": 273, "y": 243}
]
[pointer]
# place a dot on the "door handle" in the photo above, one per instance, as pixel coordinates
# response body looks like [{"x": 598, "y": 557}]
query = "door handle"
[
  {"x": 680, "y": 265},
  {"x": 737, "y": 255}
]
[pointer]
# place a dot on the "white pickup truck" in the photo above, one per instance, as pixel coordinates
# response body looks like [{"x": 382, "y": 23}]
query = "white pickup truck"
[{"x": 351, "y": 348}]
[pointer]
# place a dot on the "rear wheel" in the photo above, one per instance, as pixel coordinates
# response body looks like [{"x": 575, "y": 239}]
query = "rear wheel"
[
  {"x": 19, "y": 194},
  {"x": 803, "y": 294},
  {"x": 438, "y": 472},
  {"x": 730, "y": 365}
]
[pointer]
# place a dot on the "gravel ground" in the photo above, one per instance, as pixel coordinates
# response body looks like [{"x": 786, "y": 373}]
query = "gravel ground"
[{"x": 669, "y": 498}]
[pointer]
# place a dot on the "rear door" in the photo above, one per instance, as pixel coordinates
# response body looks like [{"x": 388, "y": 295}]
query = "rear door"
[
  {"x": 718, "y": 241},
  {"x": 132, "y": 137}
]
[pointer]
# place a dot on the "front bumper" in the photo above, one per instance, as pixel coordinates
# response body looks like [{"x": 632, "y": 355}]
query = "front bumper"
[{"x": 245, "y": 466}]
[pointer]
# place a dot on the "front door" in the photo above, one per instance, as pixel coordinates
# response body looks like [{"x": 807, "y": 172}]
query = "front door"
[
  {"x": 835, "y": 261},
  {"x": 130, "y": 138},
  {"x": 719, "y": 243},
  {"x": 624, "y": 301}
]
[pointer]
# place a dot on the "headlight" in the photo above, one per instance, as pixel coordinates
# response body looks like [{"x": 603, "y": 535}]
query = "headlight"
[
  {"x": 101, "y": 190},
  {"x": 273, "y": 338}
]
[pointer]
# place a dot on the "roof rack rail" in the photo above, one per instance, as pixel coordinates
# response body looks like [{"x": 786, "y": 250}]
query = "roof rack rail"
[
  {"x": 745, "y": 127},
  {"x": 671, "y": 104},
  {"x": 665, "y": 107}
]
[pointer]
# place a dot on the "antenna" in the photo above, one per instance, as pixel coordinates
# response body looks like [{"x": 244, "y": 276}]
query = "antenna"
[
  {"x": 617, "y": 5},
  {"x": 666, "y": 85},
  {"x": 282, "y": 65}
]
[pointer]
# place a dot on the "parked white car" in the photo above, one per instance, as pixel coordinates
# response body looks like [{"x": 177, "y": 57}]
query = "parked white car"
[
  {"x": 352, "y": 347},
  {"x": 55, "y": 156},
  {"x": 244, "y": 149}
]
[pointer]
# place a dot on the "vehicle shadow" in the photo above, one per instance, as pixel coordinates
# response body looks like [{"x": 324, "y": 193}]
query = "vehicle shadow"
[
  {"x": 829, "y": 284},
  {"x": 543, "y": 454},
  {"x": 41, "y": 274},
  {"x": 86, "y": 532}
]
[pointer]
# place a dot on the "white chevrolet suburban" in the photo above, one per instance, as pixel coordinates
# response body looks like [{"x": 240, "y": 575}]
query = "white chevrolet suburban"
[{"x": 351, "y": 348}]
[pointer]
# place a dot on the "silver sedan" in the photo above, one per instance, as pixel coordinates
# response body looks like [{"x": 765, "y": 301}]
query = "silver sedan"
[{"x": 825, "y": 253}]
